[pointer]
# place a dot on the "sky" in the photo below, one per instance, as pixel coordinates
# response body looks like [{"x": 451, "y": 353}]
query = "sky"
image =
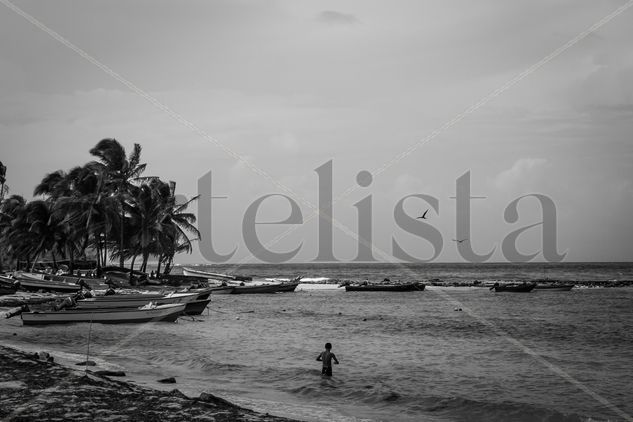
[{"x": 266, "y": 95}]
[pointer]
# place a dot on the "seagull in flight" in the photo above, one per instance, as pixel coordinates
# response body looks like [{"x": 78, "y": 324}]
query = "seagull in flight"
[
  {"x": 459, "y": 241},
  {"x": 423, "y": 216}
]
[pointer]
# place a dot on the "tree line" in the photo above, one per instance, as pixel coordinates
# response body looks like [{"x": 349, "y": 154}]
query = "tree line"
[{"x": 105, "y": 210}]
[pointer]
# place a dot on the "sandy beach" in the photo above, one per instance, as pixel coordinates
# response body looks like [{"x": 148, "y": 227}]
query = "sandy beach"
[{"x": 34, "y": 388}]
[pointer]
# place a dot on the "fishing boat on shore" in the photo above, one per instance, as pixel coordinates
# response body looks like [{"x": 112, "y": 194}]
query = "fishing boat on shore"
[
  {"x": 222, "y": 290},
  {"x": 136, "y": 300},
  {"x": 34, "y": 282},
  {"x": 408, "y": 287},
  {"x": 8, "y": 285},
  {"x": 289, "y": 286},
  {"x": 168, "y": 312},
  {"x": 514, "y": 288},
  {"x": 196, "y": 307},
  {"x": 256, "y": 289}
]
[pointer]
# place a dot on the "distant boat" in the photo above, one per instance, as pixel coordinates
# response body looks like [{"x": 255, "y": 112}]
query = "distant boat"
[
  {"x": 554, "y": 287},
  {"x": 215, "y": 276},
  {"x": 169, "y": 313},
  {"x": 515, "y": 288},
  {"x": 408, "y": 287}
]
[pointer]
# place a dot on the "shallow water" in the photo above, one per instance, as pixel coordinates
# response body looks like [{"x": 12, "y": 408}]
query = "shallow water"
[{"x": 404, "y": 356}]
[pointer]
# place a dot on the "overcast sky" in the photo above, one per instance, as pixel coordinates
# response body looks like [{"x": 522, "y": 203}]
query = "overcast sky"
[{"x": 282, "y": 87}]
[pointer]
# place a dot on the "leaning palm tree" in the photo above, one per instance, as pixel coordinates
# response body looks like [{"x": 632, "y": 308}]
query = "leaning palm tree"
[{"x": 121, "y": 172}]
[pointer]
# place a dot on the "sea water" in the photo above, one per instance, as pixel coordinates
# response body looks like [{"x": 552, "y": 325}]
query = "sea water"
[{"x": 443, "y": 354}]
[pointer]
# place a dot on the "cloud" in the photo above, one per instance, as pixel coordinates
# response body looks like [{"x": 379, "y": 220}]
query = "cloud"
[
  {"x": 523, "y": 170},
  {"x": 332, "y": 17}
]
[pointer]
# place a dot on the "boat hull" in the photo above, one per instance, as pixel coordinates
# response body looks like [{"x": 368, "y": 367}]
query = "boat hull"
[
  {"x": 222, "y": 290},
  {"x": 555, "y": 288},
  {"x": 263, "y": 288},
  {"x": 32, "y": 285},
  {"x": 518, "y": 288},
  {"x": 196, "y": 307},
  {"x": 122, "y": 301},
  {"x": 168, "y": 313},
  {"x": 385, "y": 287}
]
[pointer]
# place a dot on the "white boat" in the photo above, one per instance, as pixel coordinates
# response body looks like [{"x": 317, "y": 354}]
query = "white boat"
[
  {"x": 169, "y": 312},
  {"x": 135, "y": 300},
  {"x": 214, "y": 276}
]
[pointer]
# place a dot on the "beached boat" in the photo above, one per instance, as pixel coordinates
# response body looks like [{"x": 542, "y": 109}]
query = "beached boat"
[
  {"x": 222, "y": 290},
  {"x": 262, "y": 288},
  {"x": 169, "y": 312},
  {"x": 514, "y": 288},
  {"x": 7, "y": 285},
  {"x": 408, "y": 287},
  {"x": 196, "y": 307},
  {"x": 7, "y": 290},
  {"x": 31, "y": 284},
  {"x": 554, "y": 287},
  {"x": 136, "y": 300},
  {"x": 288, "y": 286}
]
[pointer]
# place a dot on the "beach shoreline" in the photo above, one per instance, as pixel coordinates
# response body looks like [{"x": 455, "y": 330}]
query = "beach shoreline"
[{"x": 34, "y": 387}]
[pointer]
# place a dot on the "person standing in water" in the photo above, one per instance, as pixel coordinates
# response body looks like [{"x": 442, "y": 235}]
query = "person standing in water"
[{"x": 327, "y": 357}]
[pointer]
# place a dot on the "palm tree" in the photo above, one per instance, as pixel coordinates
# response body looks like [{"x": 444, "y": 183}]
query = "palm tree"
[
  {"x": 161, "y": 226},
  {"x": 121, "y": 172},
  {"x": 11, "y": 210}
]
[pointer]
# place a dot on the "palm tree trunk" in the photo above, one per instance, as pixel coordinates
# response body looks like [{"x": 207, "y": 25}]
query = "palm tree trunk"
[
  {"x": 132, "y": 266},
  {"x": 145, "y": 258},
  {"x": 121, "y": 259},
  {"x": 160, "y": 261}
]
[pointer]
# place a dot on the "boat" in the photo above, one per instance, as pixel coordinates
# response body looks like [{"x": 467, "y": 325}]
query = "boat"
[
  {"x": 215, "y": 276},
  {"x": 7, "y": 290},
  {"x": 262, "y": 288},
  {"x": 408, "y": 287},
  {"x": 288, "y": 286},
  {"x": 515, "y": 288},
  {"x": 35, "y": 285},
  {"x": 8, "y": 285},
  {"x": 554, "y": 287},
  {"x": 136, "y": 300},
  {"x": 196, "y": 307},
  {"x": 222, "y": 290},
  {"x": 169, "y": 312}
]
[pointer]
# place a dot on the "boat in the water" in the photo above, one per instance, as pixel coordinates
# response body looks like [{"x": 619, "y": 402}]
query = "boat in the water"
[
  {"x": 513, "y": 287},
  {"x": 554, "y": 287},
  {"x": 369, "y": 287},
  {"x": 215, "y": 276},
  {"x": 169, "y": 313}
]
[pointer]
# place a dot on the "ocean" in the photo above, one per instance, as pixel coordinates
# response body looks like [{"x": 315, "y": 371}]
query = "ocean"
[{"x": 442, "y": 354}]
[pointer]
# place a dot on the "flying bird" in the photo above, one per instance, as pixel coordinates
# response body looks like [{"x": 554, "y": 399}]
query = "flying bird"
[
  {"x": 459, "y": 241},
  {"x": 423, "y": 216}
]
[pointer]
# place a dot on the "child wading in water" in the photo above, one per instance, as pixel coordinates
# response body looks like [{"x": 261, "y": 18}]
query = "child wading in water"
[{"x": 327, "y": 357}]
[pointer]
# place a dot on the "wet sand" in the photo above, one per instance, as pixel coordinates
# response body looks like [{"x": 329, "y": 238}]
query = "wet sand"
[{"x": 32, "y": 387}]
